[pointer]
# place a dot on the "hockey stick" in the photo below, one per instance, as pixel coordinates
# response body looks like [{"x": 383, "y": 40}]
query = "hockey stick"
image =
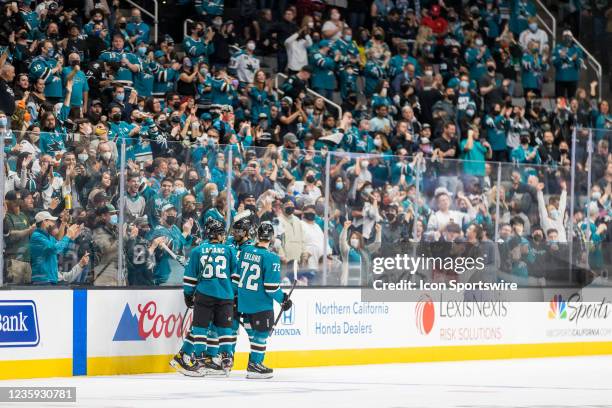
[
  {"x": 172, "y": 254},
  {"x": 288, "y": 297}
]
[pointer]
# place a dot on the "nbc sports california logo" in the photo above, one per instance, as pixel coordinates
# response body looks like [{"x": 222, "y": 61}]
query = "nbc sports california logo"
[
  {"x": 557, "y": 308},
  {"x": 425, "y": 315}
]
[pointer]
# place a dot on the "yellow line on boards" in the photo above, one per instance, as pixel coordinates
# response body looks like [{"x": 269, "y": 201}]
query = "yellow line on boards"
[
  {"x": 314, "y": 358},
  {"x": 53, "y": 367},
  {"x": 62, "y": 367}
]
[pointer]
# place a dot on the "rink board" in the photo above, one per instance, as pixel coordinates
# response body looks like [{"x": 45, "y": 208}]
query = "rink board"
[{"x": 102, "y": 332}]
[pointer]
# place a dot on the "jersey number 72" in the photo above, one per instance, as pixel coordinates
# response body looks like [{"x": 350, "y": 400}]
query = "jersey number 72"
[{"x": 251, "y": 281}]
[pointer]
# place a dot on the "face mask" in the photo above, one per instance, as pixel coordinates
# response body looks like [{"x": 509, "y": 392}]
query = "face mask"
[
  {"x": 310, "y": 178},
  {"x": 114, "y": 219},
  {"x": 596, "y": 195},
  {"x": 142, "y": 50},
  {"x": 310, "y": 24},
  {"x": 429, "y": 73},
  {"x": 470, "y": 112},
  {"x": 354, "y": 242},
  {"x": 309, "y": 111},
  {"x": 170, "y": 219},
  {"x": 377, "y": 142},
  {"x": 83, "y": 157},
  {"x": 100, "y": 131},
  {"x": 524, "y": 140},
  {"x": 74, "y": 63},
  {"x": 365, "y": 164},
  {"x": 339, "y": 185},
  {"x": 309, "y": 216},
  {"x": 122, "y": 25},
  {"x": 533, "y": 27},
  {"x": 289, "y": 210},
  {"x": 106, "y": 156},
  {"x": 555, "y": 214},
  {"x": 51, "y": 52},
  {"x": 180, "y": 190},
  {"x": 367, "y": 190},
  {"x": 478, "y": 42},
  {"x": 116, "y": 117},
  {"x": 120, "y": 97},
  {"x": 143, "y": 232},
  {"x": 348, "y": 38},
  {"x": 3, "y": 122},
  {"x": 251, "y": 46},
  {"x": 176, "y": 105}
]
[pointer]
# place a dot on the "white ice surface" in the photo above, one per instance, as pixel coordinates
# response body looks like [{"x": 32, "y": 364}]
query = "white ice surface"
[{"x": 552, "y": 383}]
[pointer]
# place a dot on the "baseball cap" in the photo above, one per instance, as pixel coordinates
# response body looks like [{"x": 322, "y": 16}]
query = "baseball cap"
[
  {"x": 96, "y": 102},
  {"x": 10, "y": 195},
  {"x": 287, "y": 99},
  {"x": 290, "y": 137},
  {"x": 440, "y": 191},
  {"x": 44, "y": 216},
  {"x": 108, "y": 208},
  {"x": 206, "y": 116},
  {"x": 167, "y": 207},
  {"x": 323, "y": 43}
]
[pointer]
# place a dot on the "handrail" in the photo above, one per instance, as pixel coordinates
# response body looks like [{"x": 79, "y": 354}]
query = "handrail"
[
  {"x": 310, "y": 91},
  {"x": 187, "y": 21},
  {"x": 595, "y": 65},
  {"x": 553, "y": 28},
  {"x": 153, "y": 15}
]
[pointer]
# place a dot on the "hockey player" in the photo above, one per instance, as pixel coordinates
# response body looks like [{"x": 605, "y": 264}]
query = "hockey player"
[
  {"x": 240, "y": 238},
  {"x": 208, "y": 289},
  {"x": 258, "y": 286}
]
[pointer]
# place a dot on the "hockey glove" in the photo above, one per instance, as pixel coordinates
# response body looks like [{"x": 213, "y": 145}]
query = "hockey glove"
[
  {"x": 189, "y": 301},
  {"x": 287, "y": 303}
]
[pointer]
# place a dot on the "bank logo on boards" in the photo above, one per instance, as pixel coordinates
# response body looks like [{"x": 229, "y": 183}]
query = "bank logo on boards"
[
  {"x": 557, "y": 308},
  {"x": 425, "y": 315},
  {"x": 18, "y": 323}
]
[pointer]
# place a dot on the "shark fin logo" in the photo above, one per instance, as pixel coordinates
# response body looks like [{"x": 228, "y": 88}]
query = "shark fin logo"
[
  {"x": 425, "y": 315},
  {"x": 127, "y": 329},
  {"x": 557, "y": 308}
]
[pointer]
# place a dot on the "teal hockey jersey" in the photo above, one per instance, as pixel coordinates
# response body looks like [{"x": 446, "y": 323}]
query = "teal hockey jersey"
[
  {"x": 209, "y": 270},
  {"x": 259, "y": 279}
]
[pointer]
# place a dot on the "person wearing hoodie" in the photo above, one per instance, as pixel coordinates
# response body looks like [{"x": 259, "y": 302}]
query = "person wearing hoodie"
[{"x": 552, "y": 217}]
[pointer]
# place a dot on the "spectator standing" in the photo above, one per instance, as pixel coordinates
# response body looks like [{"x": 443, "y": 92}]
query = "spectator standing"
[
  {"x": 44, "y": 248},
  {"x": 567, "y": 59},
  {"x": 297, "y": 45},
  {"x": 17, "y": 231}
]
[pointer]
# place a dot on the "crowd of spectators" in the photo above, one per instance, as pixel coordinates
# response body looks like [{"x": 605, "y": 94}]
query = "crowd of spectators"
[{"x": 432, "y": 122}]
